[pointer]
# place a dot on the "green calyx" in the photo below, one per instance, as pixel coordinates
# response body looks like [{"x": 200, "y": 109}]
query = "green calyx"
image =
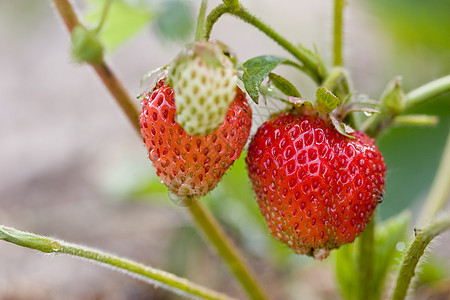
[
  {"x": 326, "y": 101},
  {"x": 327, "y": 106},
  {"x": 393, "y": 97},
  {"x": 213, "y": 53},
  {"x": 86, "y": 46}
]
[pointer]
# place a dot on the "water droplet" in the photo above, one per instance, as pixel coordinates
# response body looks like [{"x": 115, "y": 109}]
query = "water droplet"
[
  {"x": 368, "y": 113},
  {"x": 55, "y": 245},
  {"x": 400, "y": 246}
]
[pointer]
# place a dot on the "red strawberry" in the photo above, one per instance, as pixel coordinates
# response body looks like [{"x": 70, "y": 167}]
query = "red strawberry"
[
  {"x": 191, "y": 166},
  {"x": 316, "y": 188}
]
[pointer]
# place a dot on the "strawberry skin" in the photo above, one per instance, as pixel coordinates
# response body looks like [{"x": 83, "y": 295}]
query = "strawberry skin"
[
  {"x": 316, "y": 188},
  {"x": 191, "y": 166}
]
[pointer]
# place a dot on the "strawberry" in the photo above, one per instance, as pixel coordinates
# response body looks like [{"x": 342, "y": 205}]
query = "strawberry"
[
  {"x": 191, "y": 166},
  {"x": 204, "y": 81},
  {"x": 316, "y": 187}
]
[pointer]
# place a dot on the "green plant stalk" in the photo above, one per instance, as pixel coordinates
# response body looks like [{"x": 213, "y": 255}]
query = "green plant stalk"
[
  {"x": 415, "y": 251},
  {"x": 106, "y": 7},
  {"x": 311, "y": 64},
  {"x": 365, "y": 264},
  {"x": 337, "y": 32},
  {"x": 108, "y": 78},
  {"x": 156, "y": 277},
  {"x": 379, "y": 122},
  {"x": 227, "y": 250},
  {"x": 200, "y": 28},
  {"x": 437, "y": 197},
  {"x": 118, "y": 92},
  {"x": 428, "y": 91}
]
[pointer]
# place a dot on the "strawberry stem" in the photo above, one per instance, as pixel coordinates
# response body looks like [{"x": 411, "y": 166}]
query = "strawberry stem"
[
  {"x": 314, "y": 66},
  {"x": 216, "y": 234},
  {"x": 157, "y": 277},
  {"x": 437, "y": 197},
  {"x": 436, "y": 201},
  {"x": 379, "y": 122},
  {"x": 337, "y": 32},
  {"x": 227, "y": 250},
  {"x": 105, "y": 10},
  {"x": 428, "y": 91},
  {"x": 108, "y": 78},
  {"x": 200, "y": 28},
  {"x": 415, "y": 251},
  {"x": 366, "y": 261}
]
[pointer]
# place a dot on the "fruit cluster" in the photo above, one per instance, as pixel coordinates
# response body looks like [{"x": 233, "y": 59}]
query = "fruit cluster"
[{"x": 316, "y": 187}]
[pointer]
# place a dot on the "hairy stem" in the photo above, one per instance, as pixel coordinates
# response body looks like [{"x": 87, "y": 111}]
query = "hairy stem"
[
  {"x": 105, "y": 10},
  {"x": 437, "y": 198},
  {"x": 110, "y": 80},
  {"x": 313, "y": 66},
  {"x": 428, "y": 91},
  {"x": 200, "y": 29},
  {"x": 157, "y": 277},
  {"x": 366, "y": 261},
  {"x": 207, "y": 223},
  {"x": 379, "y": 122},
  {"x": 119, "y": 93},
  {"x": 226, "y": 249},
  {"x": 337, "y": 32},
  {"x": 415, "y": 251}
]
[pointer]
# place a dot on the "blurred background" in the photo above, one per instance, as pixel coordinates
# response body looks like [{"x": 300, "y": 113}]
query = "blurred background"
[{"x": 72, "y": 167}]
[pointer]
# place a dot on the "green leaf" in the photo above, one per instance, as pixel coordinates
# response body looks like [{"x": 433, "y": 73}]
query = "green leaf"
[
  {"x": 389, "y": 238},
  {"x": 284, "y": 85},
  {"x": 175, "y": 20},
  {"x": 123, "y": 20},
  {"x": 326, "y": 100},
  {"x": 256, "y": 69}
]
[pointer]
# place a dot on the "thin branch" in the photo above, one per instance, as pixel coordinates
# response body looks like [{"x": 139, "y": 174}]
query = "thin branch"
[
  {"x": 379, "y": 122},
  {"x": 437, "y": 198},
  {"x": 315, "y": 70},
  {"x": 157, "y": 277},
  {"x": 337, "y": 32},
  {"x": 199, "y": 30},
  {"x": 428, "y": 91},
  {"x": 104, "y": 72},
  {"x": 227, "y": 250},
  {"x": 201, "y": 215},
  {"x": 105, "y": 10},
  {"x": 366, "y": 258},
  {"x": 415, "y": 251}
]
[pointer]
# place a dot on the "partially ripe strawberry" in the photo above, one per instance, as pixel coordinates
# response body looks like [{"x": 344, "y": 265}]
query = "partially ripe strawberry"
[
  {"x": 204, "y": 81},
  {"x": 316, "y": 188},
  {"x": 191, "y": 166}
]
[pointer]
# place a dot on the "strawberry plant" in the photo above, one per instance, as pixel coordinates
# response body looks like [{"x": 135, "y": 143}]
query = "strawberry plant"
[{"x": 318, "y": 166}]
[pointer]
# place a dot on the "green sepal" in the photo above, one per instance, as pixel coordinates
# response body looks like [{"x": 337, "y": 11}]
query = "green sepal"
[
  {"x": 326, "y": 100},
  {"x": 393, "y": 98},
  {"x": 86, "y": 46},
  {"x": 341, "y": 127},
  {"x": 255, "y": 70},
  {"x": 284, "y": 85}
]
